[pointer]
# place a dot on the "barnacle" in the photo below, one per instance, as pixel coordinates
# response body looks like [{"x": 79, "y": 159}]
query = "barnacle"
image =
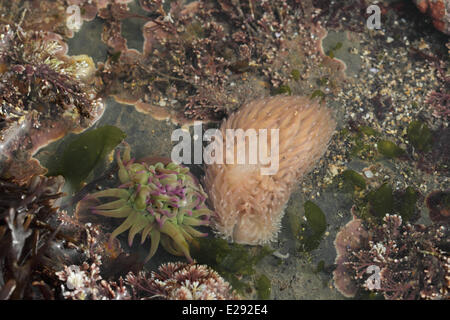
[{"x": 161, "y": 201}]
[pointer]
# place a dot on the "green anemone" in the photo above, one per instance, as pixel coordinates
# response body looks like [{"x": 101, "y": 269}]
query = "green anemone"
[{"x": 163, "y": 202}]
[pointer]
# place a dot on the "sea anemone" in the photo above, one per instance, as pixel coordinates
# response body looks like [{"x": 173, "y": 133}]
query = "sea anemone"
[
  {"x": 249, "y": 205},
  {"x": 163, "y": 201},
  {"x": 181, "y": 281}
]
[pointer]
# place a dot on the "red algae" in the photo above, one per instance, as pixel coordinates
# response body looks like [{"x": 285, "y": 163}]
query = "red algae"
[{"x": 45, "y": 95}]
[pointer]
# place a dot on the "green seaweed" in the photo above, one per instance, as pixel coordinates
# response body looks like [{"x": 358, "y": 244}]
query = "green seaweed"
[
  {"x": 363, "y": 142},
  {"x": 84, "y": 153},
  {"x": 314, "y": 228},
  {"x": 284, "y": 89},
  {"x": 406, "y": 203},
  {"x": 315, "y": 217},
  {"x": 263, "y": 287},
  {"x": 352, "y": 180},
  {"x": 381, "y": 201},
  {"x": 318, "y": 94},
  {"x": 420, "y": 136},
  {"x": 389, "y": 149},
  {"x": 368, "y": 131},
  {"x": 230, "y": 260},
  {"x": 362, "y": 150},
  {"x": 295, "y": 74}
]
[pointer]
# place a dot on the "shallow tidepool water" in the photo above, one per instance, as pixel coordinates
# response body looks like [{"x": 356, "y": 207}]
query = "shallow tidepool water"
[{"x": 383, "y": 76}]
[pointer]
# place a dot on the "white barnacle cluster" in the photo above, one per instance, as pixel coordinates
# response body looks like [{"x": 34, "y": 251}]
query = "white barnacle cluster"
[
  {"x": 197, "y": 282},
  {"x": 85, "y": 283},
  {"x": 76, "y": 282},
  {"x": 211, "y": 287},
  {"x": 182, "y": 281},
  {"x": 380, "y": 251}
]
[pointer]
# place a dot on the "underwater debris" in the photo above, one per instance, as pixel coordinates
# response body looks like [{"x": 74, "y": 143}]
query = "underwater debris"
[
  {"x": 248, "y": 205},
  {"x": 181, "y": 281},
  {"x": 393, "y": 250},
  {"x": 44, "y": 94},
  {"x": 158, "y": 198}
]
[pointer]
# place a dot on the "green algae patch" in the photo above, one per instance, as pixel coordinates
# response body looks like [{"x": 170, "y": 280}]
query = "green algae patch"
[
  {"x": 363, "y": 142},
  {"x": 368, "y": 131},
  {"x": 352, "y": 180},
  {"x": 263, "y": 287},
  {"x": 406, "y": 203},
  {"x": 318, "y": 94},
  {"x": 420, "y": 136},
  {"x": 315, "y": 217},
  {"x": 389, "y": 149},
  {"x": 284, "y": 89},
  {"x": 232, "y": 261},
  {"x": 84, "y": 153},
  {"x": 295, "y": 74},
  {"x": 313, "y": 229},
  {"x": 381, "y": 201}
]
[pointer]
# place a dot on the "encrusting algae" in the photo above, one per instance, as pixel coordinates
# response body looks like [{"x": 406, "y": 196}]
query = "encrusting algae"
[{"x": 248, "y": 205}]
